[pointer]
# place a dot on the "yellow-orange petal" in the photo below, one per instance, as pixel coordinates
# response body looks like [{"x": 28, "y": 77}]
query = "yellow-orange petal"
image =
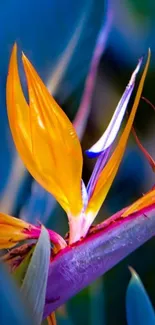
[
  {"x": 12, "y": 231},
  {"x": 144, "y": 202},
  {"x": 108, "y": 174},
  {"x": 44, "y": 137}
]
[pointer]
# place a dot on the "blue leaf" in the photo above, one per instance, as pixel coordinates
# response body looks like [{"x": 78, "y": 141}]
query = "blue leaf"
[
  {"x": 35, "y": 281},
  {"x": 12, "y": 307},
  {"x": 139, "y": 309}
]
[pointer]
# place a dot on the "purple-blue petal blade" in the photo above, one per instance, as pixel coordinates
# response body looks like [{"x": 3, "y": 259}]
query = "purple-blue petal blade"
[
  {"x": 100, "y": 163},
  {"x": 110, "y": 133}
]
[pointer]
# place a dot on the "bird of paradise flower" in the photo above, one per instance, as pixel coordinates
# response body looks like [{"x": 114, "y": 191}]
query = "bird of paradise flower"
[{"x": 51, "y": 151}]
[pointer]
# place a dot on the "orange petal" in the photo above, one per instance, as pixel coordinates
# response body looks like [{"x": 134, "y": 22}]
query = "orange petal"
[
  {"x": 44, "y": 137},
  {"x": 12, "y": 231},
  {"x": 51, "y": 320},
  {"x": 109, "y": 172},
  {"x": 143, "y": 203}
]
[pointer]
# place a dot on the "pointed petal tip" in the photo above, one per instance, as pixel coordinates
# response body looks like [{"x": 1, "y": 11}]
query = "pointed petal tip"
[
  {"x": 13, "y": 57},
  {"x": 112, "y": 130},
  {"x": 27, "y": 66},
  {"x": 132, "y": 271},
  {"x": 23, "y": 56},
  {"x": 25, "y": 59},
  {"x": 14, "y": 47},
  {"x": 91, "y": 154},
  {"x": 108, "y": 174},
  {"x": 134, "y": 274}
]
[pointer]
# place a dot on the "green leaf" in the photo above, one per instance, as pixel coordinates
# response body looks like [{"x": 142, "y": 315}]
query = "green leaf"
[
  {"x": 35, "y": 281},
  {"x": 20, "y": 271}
]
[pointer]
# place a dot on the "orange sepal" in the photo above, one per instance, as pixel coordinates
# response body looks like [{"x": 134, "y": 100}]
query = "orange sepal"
[
  {"x": 12, "y": 231},
  {"x": 144, "y": 202}
]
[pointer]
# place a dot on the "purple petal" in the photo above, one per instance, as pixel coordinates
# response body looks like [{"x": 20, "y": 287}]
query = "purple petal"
[
  {"x": 110, "y": 134},
  {"x": 101, "y": 161},
  {"x": 77, "y": 266},
  {"x": 84, "y": 109}
]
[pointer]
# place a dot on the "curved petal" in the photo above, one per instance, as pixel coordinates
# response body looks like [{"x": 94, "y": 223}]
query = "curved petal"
[
  {"x": 110, "y": 133},
  {"x": 143, "y": 204},
  {"x": 44, "y": 137},
  {"x": 108, "y": 174},
  {"x": 12, "y": 231}
]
